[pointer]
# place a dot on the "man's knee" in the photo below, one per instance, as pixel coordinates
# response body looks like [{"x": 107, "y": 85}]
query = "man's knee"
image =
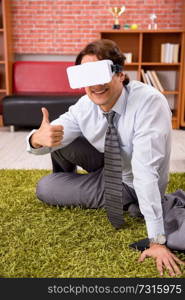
[
  {"x": 44, "y": 190},
  {"x": 176, "y": 239},
  {"x": 59, "y": 189}
]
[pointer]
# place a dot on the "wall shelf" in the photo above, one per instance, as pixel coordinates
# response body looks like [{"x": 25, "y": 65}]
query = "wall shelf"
[{"x": 160, "y": 64}]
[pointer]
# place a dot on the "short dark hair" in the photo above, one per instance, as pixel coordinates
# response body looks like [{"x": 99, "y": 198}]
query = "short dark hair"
[{"x": 104, "y": 49}]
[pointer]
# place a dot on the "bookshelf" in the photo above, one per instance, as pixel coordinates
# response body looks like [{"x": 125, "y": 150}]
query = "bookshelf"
[
  {"x": 145, "y": 46},
  {"x": 5, "y": 52},
  {"x": 183, "y": 76}
]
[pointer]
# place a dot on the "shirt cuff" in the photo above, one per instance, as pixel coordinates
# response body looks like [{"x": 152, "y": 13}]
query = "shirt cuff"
[{"x": 155, "y": 228}]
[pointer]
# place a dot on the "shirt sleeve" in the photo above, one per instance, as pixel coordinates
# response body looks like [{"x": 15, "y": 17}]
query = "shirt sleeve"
[
  {"x": 150, "y": 147},
  {"x": 69, "y": 121}
]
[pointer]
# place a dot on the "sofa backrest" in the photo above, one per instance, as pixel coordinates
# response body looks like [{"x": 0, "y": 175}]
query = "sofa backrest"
[{"x": 39, "y": 77}]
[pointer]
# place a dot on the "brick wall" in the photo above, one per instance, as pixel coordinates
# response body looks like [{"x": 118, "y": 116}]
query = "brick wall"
[{"x": 64, "y": 27}]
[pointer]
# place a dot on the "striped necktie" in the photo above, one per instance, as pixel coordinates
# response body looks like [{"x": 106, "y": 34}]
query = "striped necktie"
[{"x": 113, "y": 174}]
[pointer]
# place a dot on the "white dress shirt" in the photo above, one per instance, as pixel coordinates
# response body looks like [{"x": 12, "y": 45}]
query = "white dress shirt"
[{"x": 143, "y": 121}]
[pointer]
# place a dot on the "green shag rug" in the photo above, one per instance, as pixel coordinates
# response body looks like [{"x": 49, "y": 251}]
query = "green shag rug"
[{"x": 37, "y": 240}]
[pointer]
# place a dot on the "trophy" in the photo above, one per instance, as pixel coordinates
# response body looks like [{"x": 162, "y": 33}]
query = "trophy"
[
  {"x": 116, "y": 12},
  {"x": 153, "y": 24}
]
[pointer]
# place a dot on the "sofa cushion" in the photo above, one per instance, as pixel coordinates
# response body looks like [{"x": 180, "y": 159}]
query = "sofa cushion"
[
  {"x": 42, "y": 77},
  {"x": 25, "y": 110}
]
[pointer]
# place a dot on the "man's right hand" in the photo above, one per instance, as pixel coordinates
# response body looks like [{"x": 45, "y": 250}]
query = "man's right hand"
[
  {"x": 164, "y": 259},
  {"x": 47, "y": 135}
]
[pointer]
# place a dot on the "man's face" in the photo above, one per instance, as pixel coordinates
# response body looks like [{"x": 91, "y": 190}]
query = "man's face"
[{"x": 104, "y": 95}]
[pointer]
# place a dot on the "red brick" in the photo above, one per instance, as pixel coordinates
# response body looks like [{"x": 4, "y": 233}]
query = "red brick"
[{"x": 64, "y": 27}]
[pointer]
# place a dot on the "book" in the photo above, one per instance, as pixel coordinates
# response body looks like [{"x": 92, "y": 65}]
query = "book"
[
  {"x": 169, "y": 53},
  {"x": 128, "y": 57},
  {"x": 164, "y": 49},
  {"x": 175, "y": 57},
  {"x": 152, "y": 79},
  {"x": 143, "y": 76},
  {"x": 159, "y": 85},
  {"x": 148, "y": 79},
  {"x": 162, "y": 52}
]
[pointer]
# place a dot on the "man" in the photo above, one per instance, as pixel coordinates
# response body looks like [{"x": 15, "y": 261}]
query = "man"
[{"x": 142, "y": 121}]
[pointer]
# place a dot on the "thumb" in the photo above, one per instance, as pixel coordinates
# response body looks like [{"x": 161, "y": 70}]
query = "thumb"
[{"x": 45, "y": 114}]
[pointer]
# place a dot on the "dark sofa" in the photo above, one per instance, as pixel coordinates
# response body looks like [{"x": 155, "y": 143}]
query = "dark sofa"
[{"x": 35, "y": 85}]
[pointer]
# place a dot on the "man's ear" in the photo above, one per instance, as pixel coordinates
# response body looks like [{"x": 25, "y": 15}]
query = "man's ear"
[{"x": 122, "y": 76}]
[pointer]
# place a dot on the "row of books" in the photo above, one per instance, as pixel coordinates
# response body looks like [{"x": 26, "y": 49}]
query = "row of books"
[
  {"x": 151, "y": 78},
  {"x": 169, "y": 53}
]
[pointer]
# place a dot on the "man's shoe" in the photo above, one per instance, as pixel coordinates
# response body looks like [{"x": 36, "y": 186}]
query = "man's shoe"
[{"x": 134, "y": 211}]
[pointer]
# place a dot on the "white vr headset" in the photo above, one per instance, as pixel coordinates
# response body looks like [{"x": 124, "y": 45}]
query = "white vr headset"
[{"x": 92, "y": 73}]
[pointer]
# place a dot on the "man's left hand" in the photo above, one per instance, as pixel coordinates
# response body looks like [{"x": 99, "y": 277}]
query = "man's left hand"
[{"x": 164, "y": 259}]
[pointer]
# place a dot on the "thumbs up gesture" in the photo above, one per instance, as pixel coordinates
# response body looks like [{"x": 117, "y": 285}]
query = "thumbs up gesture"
[{"x": 47, "y": 135}]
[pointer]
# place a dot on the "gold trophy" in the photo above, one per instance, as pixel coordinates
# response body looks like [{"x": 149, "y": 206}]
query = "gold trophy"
[{"x": 116, "y": 12}]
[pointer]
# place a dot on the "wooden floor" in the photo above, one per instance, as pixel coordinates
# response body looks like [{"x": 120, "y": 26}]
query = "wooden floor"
[{"x": 14, "y": 156}]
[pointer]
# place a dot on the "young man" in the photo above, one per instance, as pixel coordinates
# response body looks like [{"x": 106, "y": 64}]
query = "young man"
[{"x": 142, "y": 120}]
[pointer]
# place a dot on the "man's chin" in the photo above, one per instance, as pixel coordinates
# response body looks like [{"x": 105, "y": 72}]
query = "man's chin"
[
  {"x": 99, "y": 99},
  {"x": 99, "y": 102}
]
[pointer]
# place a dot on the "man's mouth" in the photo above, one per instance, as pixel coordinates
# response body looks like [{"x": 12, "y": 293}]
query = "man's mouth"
[{"x": 99, "y": 92}]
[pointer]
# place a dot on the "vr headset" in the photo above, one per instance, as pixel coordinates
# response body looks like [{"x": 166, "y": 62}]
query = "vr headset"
[{"x": 92, "y": 73}]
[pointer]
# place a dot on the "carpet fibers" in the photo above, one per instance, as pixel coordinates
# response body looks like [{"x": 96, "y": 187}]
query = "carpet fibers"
[{"x": 37, "y": 240}]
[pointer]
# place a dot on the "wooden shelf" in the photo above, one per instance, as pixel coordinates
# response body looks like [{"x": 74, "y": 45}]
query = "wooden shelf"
[
  {"x": 182, "y": 114},
  {"x": 142, "y": 31},
  {"x": 145, "y": 46},
  {"x": 170, "y": 92},
  {"x": 6, "y": 57},
  {"x": 159, "y": 64},
  {"x": 132, "y": 64},
  {"x": 175, "y": 123}
]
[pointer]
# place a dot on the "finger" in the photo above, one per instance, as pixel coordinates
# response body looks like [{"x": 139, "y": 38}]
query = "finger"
[
  {"x": 45, "y": 115},
  {"x": 143, "y": 256},
  {"x": 178, "y": 260},
  {"x": 56, "y": 140},
  {"x": 159, "y": 265},
  {"x": 55, "y": 144},
  {"x": 168, "y": 266},
  {"x": 57, "y": 135},
  {"x": 57, "y": 128},
  {"x": 175, "y": 267}
]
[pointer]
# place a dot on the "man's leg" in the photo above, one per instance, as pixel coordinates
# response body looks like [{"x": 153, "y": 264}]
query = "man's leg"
[
  {"x": 174, "y": 222},
  {"x": 66, "y": 188},
  {"x": 174, "y": 219},
  {"x": 130, "y": 201},
  {"x": 80, "y": 152},
  {"x": 70, "y": 189}
]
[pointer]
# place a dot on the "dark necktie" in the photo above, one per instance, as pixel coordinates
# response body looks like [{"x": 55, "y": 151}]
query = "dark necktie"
[{"x": 113, "y": 174}]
